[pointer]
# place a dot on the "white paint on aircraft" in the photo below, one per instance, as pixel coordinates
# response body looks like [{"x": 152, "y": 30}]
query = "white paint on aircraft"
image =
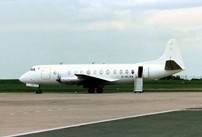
[{"x": 96, "y": 76}]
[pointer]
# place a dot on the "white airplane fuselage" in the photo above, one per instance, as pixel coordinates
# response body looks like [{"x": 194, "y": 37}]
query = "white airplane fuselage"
[
  {"x": 120, "y": 73},
  {"x": 98, "y": 75}
]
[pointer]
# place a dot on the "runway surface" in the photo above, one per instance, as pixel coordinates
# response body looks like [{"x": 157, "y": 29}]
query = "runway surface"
[{"x": 27, "y": 112}]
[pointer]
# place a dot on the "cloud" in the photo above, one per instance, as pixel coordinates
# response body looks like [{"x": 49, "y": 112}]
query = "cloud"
[
  {"x": 90, "y": 15},
  {"x": 167, "y": 4},
  {"x": 90, "y": 26},
  {"x": 183, "y": 20},
  {"x": 116, "y": 27}
]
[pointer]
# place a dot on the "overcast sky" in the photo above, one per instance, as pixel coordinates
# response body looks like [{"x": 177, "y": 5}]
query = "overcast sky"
[{"x": 34, "y": 32}]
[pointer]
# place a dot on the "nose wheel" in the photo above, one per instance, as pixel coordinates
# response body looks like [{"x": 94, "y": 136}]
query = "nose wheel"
[{"x": 38, "y": 91}]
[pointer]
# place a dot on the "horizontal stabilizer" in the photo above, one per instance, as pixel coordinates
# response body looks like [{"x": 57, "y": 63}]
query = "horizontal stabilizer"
[{"x": 172, "y": 65}]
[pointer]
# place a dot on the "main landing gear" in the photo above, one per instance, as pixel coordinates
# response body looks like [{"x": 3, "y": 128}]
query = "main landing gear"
[{"x": 98, "y": 90}]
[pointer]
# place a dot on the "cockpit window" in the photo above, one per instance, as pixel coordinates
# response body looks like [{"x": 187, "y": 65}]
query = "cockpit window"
[{"x": 32, "y": 69}]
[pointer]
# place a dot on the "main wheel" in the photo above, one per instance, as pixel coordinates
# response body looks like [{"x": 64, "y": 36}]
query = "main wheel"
[
  {"x": 99, "y": 90},
  {"x": 91, "y": 90},
  {"x": 38, "y": 91}
]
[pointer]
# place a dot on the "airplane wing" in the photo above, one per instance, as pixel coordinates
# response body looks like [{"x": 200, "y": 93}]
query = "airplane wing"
[{"x": 84, "y": 77}]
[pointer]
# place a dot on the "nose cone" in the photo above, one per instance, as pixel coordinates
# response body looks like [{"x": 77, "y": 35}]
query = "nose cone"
[
  {"x": 23, "y": 78},
  {"x": 27, "y": 77}
]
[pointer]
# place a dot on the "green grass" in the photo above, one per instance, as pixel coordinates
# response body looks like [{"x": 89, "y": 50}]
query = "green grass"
[
  {"x": 149, "y": 86},
  {"x": 173, "y": 85},
  {"x": 187, "y": 123}
]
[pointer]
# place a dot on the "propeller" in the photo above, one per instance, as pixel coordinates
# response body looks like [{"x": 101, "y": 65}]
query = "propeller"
[{"x": 58, "y": 78}]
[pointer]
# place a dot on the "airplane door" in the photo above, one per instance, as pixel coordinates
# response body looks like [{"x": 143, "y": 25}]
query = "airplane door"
[
  {"x": 140, "y": 71},
  {"x": 138, "y": 82},
  {"x": 143, "y": 72},
  {"x": 45, "y": 74}
]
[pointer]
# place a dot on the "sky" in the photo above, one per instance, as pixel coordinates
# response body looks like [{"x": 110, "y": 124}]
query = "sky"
[{"x": 35, "y": 32}]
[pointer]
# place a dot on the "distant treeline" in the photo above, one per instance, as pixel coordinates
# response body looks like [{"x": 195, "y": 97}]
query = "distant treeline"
[
  {"x": 172, "y": 77},
  {"x": 177, "y": 77},
  {"x": 172, "y": 85}
]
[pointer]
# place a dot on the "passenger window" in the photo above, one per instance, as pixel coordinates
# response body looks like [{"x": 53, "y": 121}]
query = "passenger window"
[
  {"x": 101, "y": 72},
  {"x": 114, "y": 71},
  {"x": 121, "y": 71},
  {"x": 132, "y": 72},
  {"x": 126, "y": 71},
  {"x": 88, "y": 72},
  {"x": 107, "y": 72},
  {"x": 95, "y": 72}
]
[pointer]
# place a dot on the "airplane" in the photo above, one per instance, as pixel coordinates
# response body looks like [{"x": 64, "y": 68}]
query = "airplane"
[{"x": 94, "y": 77}]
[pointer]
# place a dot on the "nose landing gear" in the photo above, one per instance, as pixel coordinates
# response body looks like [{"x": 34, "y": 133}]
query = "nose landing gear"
[{"x": 38, "y": 91}]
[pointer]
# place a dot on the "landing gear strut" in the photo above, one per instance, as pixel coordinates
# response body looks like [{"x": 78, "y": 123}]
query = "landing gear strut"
[
  {"x": 91, "y": 90},
  {"x": 98, "y": 90},
  {"x": 38, "y": 91}
]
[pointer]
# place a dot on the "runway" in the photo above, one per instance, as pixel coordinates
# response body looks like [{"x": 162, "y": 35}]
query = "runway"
[{"x": 27, "y": 112}]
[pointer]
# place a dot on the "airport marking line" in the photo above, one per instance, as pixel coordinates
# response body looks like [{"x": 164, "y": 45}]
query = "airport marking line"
[
  {"x": 34, "y": 111},
  {"x": 94, "y": 122}
]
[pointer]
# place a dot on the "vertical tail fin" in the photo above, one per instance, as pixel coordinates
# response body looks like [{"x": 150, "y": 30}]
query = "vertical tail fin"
[{"x": 172, "y": 56}]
